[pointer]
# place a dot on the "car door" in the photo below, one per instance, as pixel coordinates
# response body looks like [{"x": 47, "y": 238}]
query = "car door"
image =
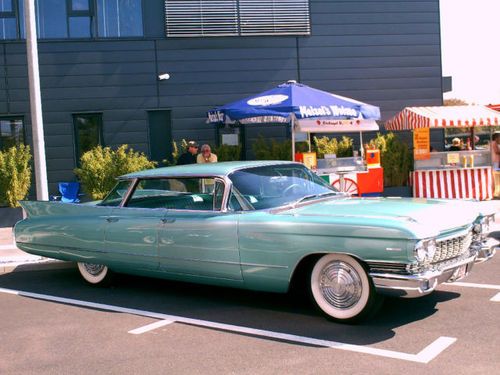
[
  {"x": 131, "y": 237},
  {"x": 198, "y": 238}
]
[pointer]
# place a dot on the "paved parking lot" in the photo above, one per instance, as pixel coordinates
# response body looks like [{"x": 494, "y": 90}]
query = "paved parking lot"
[{"x": 53, "y": 323}]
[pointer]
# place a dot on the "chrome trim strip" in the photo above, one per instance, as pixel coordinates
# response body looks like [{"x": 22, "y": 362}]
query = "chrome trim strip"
[
  {"x": 454, "y": 235},
  {"x": 221, "y": 262}
]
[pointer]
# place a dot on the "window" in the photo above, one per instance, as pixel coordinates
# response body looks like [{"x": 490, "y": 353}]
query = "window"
[
  {"x": 11, "y": 132},
  {"x": 192, "y": 18},
  {"x": 88, "y": 132},
  {"x": 8, "y": 23},
  {"x": 198, "y": 194},
  {"x": 51, "y": 19},
  {"x": 61, "y": 19},
  {"x": 115, "y": 196},
  {"x": 119, "y": 18},
  {"x": 80, "y": 18}
]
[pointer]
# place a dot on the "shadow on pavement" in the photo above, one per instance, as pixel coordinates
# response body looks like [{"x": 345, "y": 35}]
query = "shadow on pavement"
[{"x": 267, "y": 311}]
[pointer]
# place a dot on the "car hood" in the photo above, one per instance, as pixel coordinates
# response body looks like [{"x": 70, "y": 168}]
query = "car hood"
[{"x": 423, "y": 217}]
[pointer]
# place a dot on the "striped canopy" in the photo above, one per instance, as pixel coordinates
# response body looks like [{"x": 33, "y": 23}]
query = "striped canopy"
[{"x": 442, "y": 117}]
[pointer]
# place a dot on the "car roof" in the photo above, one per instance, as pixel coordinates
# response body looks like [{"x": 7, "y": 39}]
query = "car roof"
[{"x": 204, "y": 169}]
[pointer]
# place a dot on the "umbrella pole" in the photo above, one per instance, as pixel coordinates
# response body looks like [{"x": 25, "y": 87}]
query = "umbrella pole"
[
  {"x": 361, "y": 148},
  {"x": 292, "y": 122}
]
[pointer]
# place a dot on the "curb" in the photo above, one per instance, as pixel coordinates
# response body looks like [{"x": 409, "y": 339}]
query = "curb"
[{"x": 45, "y": 265}]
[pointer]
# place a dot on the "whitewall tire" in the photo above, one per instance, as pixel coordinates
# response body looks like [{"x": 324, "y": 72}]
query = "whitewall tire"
[
  {"x": 96, "y": 274},
  {"x": 341, "y": 288}
]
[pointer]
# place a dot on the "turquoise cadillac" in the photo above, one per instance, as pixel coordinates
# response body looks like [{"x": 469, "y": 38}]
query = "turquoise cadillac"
[{"x": 263, "y": 226}]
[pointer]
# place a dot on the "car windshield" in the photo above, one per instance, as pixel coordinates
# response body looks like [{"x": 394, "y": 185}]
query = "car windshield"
[{"x": 278, "y": 185}]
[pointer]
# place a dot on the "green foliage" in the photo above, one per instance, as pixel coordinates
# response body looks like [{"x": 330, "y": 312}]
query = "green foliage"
[
  {"x": 272, "y": 150},
  {"x": 176, "y": 152},
  {"x": 454, "y": 101},
  {"x": 101, "y": 166},
  {"x": 326, "y": 145},
  {"x": 15, "y": 175},
  {"x": 395, "y": 157},
  {"x": 228, "y": 153}
]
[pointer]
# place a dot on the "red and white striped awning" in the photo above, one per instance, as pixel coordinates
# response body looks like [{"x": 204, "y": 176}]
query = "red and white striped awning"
[{"x": 439, "y": 117}]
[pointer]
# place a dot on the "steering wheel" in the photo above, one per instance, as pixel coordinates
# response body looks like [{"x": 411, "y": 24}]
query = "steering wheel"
[{"x": 290, "y": 188}]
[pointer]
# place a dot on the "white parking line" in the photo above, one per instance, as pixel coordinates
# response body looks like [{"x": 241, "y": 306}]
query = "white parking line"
[
  {"x": 151, "y": 327},
  {"x": 424, "y": 356},
  {"x": 474, "y": 285},
  {"x": 496, "y": 298}
]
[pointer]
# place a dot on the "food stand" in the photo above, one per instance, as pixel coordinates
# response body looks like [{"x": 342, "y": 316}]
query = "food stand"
[
  {"x": 357, "y": 175},
  {"x": 463, "y": 174},
  {"x": 309, "y": 110}
]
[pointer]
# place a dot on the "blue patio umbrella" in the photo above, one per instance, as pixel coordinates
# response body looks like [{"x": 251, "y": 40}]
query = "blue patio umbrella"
[{"x": 292, "y": 101}]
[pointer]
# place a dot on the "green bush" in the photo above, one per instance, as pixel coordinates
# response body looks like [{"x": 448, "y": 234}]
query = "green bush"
[
  {"x": 100, "y": 167},
  {"x": 326, "y": 145},
  {"x": 176, "y": 152},
  {"x": 228, "y": 153},
  {"x": 395, "y": 158},
  {"x": 274, "y": 150},
  {"x": 15, "y": 175}
]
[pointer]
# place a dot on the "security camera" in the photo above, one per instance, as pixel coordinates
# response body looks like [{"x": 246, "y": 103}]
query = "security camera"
[{"x": 163, "y": 76}]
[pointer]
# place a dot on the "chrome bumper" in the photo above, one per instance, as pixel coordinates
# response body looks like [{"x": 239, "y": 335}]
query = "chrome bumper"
[
  {"x": 421, "y": 284},
  {"x": 486, "y": 250}
]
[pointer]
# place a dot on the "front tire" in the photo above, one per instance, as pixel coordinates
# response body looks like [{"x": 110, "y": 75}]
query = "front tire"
[
  {"x": 341, "y": 288},
  {"x": 95, "y": 274}
]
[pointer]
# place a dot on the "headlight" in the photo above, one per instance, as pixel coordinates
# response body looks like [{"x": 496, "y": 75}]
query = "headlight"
[
  {"x": 484, "y": 226},
  {"x": 425, "y": 250},
  {"x": 486, "y": 223}
]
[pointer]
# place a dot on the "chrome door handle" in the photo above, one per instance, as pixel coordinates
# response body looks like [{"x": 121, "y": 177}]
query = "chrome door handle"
[
  {"x": 112, "y": 219},
  {"x": 167, "y": 220}
]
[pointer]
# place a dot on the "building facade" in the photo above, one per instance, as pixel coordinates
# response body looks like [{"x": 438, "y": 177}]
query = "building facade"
[{"x": 100, "y": 63}]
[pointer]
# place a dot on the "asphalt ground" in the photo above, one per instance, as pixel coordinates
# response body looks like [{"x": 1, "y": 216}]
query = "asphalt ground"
[{"x": 54, "y": 323}]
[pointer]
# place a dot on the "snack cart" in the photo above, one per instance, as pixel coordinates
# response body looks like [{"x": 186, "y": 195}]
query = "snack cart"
[
  {"x": 357, "y": 175},
  {"x": 463, "y": 174}
]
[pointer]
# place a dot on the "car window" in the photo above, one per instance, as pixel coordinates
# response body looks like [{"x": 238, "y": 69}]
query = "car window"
[
  {"x": 276, "y": 185},
  {"x": 178, "y": 194},
  {"x": 115, "y": 196}
]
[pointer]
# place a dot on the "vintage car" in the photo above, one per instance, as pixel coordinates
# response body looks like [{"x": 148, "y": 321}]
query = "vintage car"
[{"x": 263, "y": 225}]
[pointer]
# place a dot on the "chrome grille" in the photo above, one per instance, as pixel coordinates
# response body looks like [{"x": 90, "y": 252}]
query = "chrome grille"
[
  {"x": 388, "y": 267},
  {"x": 452, "y": 247}
]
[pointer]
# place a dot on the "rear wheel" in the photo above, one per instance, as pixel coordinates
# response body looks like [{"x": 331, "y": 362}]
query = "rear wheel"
[
  {"x": 96, "y": 274},
  {"x": 341, "y": 288}
]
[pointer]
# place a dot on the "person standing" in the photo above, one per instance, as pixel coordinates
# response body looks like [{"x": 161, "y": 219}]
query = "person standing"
[
  {"x": 189, "y": 156},
  {"x": 206, "y": 155},
  {"x": 495, "y": 150},
  {"x": 495, "y": 160}
]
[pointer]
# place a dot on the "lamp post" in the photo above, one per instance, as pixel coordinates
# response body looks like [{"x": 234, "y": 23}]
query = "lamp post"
[{"x": 35, "y": 101}]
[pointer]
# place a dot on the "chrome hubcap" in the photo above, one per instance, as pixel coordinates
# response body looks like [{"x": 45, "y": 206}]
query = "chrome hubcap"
[
  {"x": 340, "y": 285},
  {"x": 94, "y": 269}
]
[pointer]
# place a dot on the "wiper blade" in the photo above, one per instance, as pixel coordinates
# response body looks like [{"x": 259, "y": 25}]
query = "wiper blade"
[{"x": 311, "y": 196}]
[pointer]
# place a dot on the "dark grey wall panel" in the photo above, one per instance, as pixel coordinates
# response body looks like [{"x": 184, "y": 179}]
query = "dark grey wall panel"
[
  {"x": 341, "y": 8},
  {"x": 383, "y": 52}
]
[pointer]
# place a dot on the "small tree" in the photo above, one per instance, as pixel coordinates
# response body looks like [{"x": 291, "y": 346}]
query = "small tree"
[
  {"x": 15, "y": 175},
  {"x": 326, "y": 145},
  {"x": 228, "y": 153},
  {"x": 101, "y": 166},
  {"x": 454, "y": 101},
  {"x": 395, "y": 157}
]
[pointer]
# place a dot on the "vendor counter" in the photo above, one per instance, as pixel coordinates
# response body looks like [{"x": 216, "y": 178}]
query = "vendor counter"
[
  {"x": 454, "y": 183},
  {"x": 454, "y": 175}
]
